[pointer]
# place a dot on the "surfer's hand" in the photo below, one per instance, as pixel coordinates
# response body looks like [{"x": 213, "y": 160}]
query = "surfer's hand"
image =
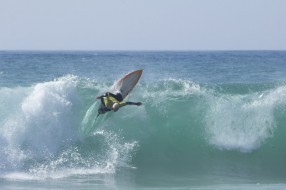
[
  {"x": 138, "y": 104},
  {"x": 97, "y": 97}
]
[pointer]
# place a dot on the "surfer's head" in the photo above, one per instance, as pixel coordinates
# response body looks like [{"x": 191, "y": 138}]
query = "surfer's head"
[{"x": 115, "y": 107}]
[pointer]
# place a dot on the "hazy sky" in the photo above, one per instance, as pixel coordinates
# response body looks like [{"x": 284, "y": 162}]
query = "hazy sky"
[{"x": 142, "y": 24}]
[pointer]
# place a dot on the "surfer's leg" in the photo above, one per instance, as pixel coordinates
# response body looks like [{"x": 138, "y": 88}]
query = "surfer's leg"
[{"x": 117, "y": 96}]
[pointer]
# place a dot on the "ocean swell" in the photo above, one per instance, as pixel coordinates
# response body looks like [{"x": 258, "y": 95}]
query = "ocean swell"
[{"x": 178, "y": 126}]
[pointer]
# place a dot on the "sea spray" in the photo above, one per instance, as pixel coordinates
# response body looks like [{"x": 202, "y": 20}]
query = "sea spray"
[
  {"x": 242, "y": 122},
  {"x": 83, "y": 159},
  {"x": 43, "y": 141}
]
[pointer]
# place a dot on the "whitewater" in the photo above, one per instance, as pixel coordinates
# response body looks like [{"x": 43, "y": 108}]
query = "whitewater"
[{"x": 209, "y": 120}]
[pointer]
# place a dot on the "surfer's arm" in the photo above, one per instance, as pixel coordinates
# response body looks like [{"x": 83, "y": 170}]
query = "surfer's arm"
[
  {"x": 121, "y": 104},
  {"x": 107, "y": 94},
  {"x": 110, "y": 94},
  {"x": 99, "y": 97},
  {"x": 134, "y": 103}
]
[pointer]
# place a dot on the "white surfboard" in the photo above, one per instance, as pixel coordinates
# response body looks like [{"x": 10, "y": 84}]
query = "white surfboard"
[
  {"x": 127, "y": 83},
  {"x": 125, "y": 86}
]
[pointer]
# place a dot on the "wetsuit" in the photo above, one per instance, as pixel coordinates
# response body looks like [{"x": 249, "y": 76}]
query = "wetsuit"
[{"x": 109, "y": 99}]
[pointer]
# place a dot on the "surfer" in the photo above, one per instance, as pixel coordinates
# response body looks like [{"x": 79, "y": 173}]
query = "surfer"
[{"x": 113, "y": 102}]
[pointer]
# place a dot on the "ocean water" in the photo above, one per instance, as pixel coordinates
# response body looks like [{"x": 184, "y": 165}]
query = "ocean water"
[{"x": 209, "y": 120}]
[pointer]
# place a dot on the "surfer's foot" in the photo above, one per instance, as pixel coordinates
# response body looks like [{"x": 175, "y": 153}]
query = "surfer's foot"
[{"x": 138, "y": 104}]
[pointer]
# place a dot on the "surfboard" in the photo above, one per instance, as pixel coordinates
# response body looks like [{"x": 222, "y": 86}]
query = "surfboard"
[{"x": 127, "y": 83}]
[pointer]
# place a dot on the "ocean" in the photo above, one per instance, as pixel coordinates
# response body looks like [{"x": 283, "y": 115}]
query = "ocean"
[{"x": 209, "y": 120}]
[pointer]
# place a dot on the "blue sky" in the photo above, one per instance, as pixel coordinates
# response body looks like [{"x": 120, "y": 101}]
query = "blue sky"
[{"x": 142, "y": 25}]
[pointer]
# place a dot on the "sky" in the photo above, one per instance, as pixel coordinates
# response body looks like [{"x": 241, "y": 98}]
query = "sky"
[{"x": 142, "y": 25}]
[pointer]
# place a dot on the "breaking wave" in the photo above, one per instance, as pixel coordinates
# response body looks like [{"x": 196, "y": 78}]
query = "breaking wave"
[{"x": 179, "y": 124}]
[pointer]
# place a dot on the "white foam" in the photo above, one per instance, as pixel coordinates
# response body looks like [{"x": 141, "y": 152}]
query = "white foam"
[
  {"x": 119, "y": 153},
  {"x": 38, "y": 130},
  {"x": 70, "y": 162},
  {"x": 41, "y": 120},
  {"x": 163, "y": 92},
  {"x": 242, "y": 122}
]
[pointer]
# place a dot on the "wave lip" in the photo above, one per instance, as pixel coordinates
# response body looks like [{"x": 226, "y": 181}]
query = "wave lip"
[{"x": 243, "y": 122}]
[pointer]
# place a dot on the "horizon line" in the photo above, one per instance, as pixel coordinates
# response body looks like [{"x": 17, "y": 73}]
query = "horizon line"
[{"x": 127, "y": 50}]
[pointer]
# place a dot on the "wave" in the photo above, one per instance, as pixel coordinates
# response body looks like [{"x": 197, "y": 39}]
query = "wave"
[
  {"x": 243, "y": 122},
  {"x": 180, "y": 124},
  {"x": 40, "y": 136}
]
